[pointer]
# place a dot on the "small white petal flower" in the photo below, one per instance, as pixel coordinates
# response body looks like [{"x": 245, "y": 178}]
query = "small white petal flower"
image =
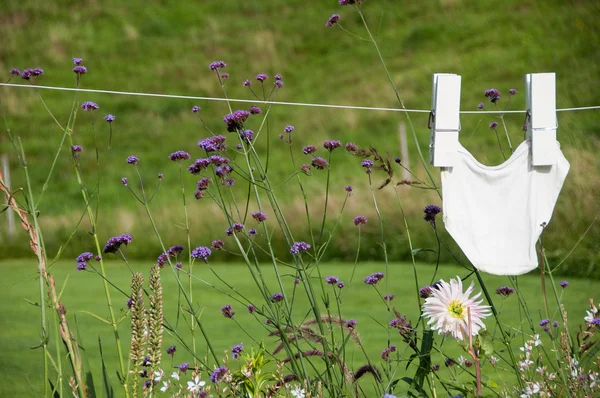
[
  {"x": 590, "y": 316},
  {"x": 448, "y": 308},
  {"x": 493, "y": 360},
  {"x": 298, "y": 392},
  {"x": 593, "y": 379},
  {"x": 165, "y": 387},
  {"x": 195, "y": 385},
  {"x": 158, "y": 375},
  {"x": 175, "y": 375},
  {"x": 536, "y": 340},
  {"x": 461, "y": 360}
]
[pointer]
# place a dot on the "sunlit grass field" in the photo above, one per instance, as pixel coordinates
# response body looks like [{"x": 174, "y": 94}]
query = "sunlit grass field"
[{"x": 22, "y": 366}]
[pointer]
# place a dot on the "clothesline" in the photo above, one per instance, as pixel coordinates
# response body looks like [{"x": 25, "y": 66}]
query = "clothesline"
[{"x": 190, "y": 97}]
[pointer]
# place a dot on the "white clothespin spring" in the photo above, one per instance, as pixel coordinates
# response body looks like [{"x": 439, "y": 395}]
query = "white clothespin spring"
[
  {"x": 541, "y": 121},
  {"x": 444, "y": 120}
]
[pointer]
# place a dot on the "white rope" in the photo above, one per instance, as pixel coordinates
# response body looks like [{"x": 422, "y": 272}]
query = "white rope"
[{"x": 368, "y": 108}]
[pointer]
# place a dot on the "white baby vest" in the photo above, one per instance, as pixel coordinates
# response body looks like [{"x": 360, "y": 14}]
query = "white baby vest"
[{"x": 495, "y": 213}]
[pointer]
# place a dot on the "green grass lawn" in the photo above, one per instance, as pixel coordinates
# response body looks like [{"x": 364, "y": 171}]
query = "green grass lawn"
[{"x": 22, "y": 369}]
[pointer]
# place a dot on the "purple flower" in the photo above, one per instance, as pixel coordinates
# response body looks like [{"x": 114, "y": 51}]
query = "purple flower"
[
  {"x": 227, "y": 311},
  {"x": 183, "y": 367},
  {"x": 236, "y": 350},
  {"x": 195, "y": 109},
  {"x": 555, "y": 324},
  {"x": 564, "y": 284},
  {"x": 218, "y": 373},
  {"x": 76, "y": 148},
  {"x": 480, "y": 106},
  {"x": 351, "y": 324},
  {"x": 505, "y": 291},
  {"x": 492, "y": 94},
  {"x": 319, "y": 163},
  {"x": 307, "y": 150},
  {"x": 261, "y": 77},
  {"x": 175, "y": 250},
  {"x": 385, "y": 354},
  {"x": 217, "y": 244},
  {"x": 160, "y": 176},
  {"x": 251, "y": 308},
  {"x": 84, "y": 257},
  {"x": 493, "y": 125},
  {"x": 37, "y": 71},
  {"x": 544, "y": 322},
  {"x": 360, "y": 220},
  {"x": 277, "y": 297},
  {"x": 278, "y": 83},
  {"x": 374, "y": 279},
  {"x": 171, "y": 350},
  {"x": 367, "y": 163},
  {"x": 430, "y": 212},
  {"x": 224, "y": 75},
  {"x": 217, "y": 65},
  {"x": 288, "y": 129},
  {"x": 389, "y": 297},
  {"x": 81, "y": 266},
  {"x": 114, "y": 244},
  {"x": 330, "y": 145},
  {"x": 89, "y": 106},
  {"x": 278, "y": 76},
  {"x": 252, "y": 232},
  {"x": 425, "y": 292},
  {"x": 26, "y": 74},
  {"x": 246, "y": 83},
  {"x": 201, "y": 252},
  {"x": 340, "y": 285},
  {"x": 97, "y": 258},
  {"x": 109, "y": 118},
  {"x": 332, "y": 280},
  {"x": 449, "y": 362},
  {"x": 236, "y": 227},
  {"x": 179, "y": 155},
  {"x": 236, "y": 119},
  {"x": 332, "y": 20},
  {"x": 247, "y": 135},
  {"x": 15, "y": 72},
  {"x": 124, "y": 181},
  {"x": 348, "y": 188},
  {"x": 199, "y": 165},
  {"x": 305, "y": 168},
  {"x": 595, "y": 322},
  {"x": 129, "y": 302},
  {"x": 147, "y": 361},
  {"x": 351, "y": 147},
  {"x": 213, "y": 144},
  {"x": 132, "y": 159},
  {"x": 259, "y": 216},
  {"x": 299, "y": 246},
  {"x": 161, "y": 260},
  {"x": 80, "y": 70},
  {"x": 77, "y": 61},
  {"x": 512, "y": 91},
  {"x": 254, "y": 110}
]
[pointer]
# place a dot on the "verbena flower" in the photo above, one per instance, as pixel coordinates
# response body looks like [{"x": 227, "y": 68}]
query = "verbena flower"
[
  {"x": 195, "y": 109},
  {"x": 171, "y": 350},
  {"x": 109, "y": 118},
  {"x": 389, "y": 297},
  {"x": 425, "y": 291},
  {"x": 261, "y": 77},
  {"x": 340, "y": 285},
  {"x": 308, "y": 149},
  {"x": 288, "y": 129},
  {"x": 277, "y": 297},
  {"x": 225, "y": 76},
  {"x": 367, "y": 163},
  {"x": 179, "y": 155},
  {"x": 199, "y": 165},
  {"x": 76, "y": 148},
  {"x": 348, "y": 188},
  {"x": 213, "y": 144},
  {"x": 236, "y": 120},
  {"x": 544, "y": 322},
  {"x": 360, "y": 220},
  {"x": 493, "y": 125},
  {"x": 247, "y": 135},
  {"x": 201, "y": 252},
  {"x": 351, "y": 324},
  {"x": 252, "y": 232},
  {"x": 115, "y": 243},
  {"x": 278, "y": 76},
  {"x": 15, "y": 72},
  {"x": 77, "y": 61},
  {"x": 278, "y": 83},
  {"x": 227, "y": 311},
  {"x": 305, "y": 168},
  {"x": 505, "y": 291},
  {"x": 332, "y": 280},
  {"x": 124, "y": 181},
  {"x": 217, "y": 244},
  {"x": 430, "y": 212},
  {"x": 246, "y": 83},
  {"x": 448, "y": 308},
  {"x": 236, "y": 350},
  {"x": 564, "y": 284},
  {"x": 333, "y": 19},
  {"x": 480, "y": 106},
  {"x": 351, "y": 147},
  {"x": 218, "y": 374},
  {"x": 512, "y": 91},
  {"x": 259, "y": 216},
  {"x": 319, "y": 163},
  {"x": 251, "y": 308},
  {"x": 89, "y": 106},
  {"x": 299, "y": 246},
  {"x": 217, "y": 65},
  {"x": 132, "y": 159},
  {"x": 80, "y": 70},
  {"x": 84, "y": 257},
  {"x": 374, "y": 279},
  {"x": 330, "y": 145},
  {"x": 255, "y": 110},
  {"x": 81, "y": 266},
  {"x": 492, "y": 94},
  {"x": 385, "y": 354}
]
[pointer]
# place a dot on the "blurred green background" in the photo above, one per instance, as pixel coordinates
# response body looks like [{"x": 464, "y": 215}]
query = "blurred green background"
[{"x": 165, "y": 47}]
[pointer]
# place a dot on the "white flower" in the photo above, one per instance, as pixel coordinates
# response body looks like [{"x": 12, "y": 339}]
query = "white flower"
[
  {"x": 448, "y": 309},
  {"x": 593, "y": 379},
  {"x": 531, "y": 389},
  {"x": 158, "y": 375},
  {"x": 536, "y": 340},
  {"x": 526, "y": 347},
  {"x": 525, "y": 364},
  {"x": 590, "y": 315},
  {"x": 175, "y": 375},
  {"x": 461, "y": 360},
  {"x": 165, "y": 387},
  {"x": 493, "y": 360},
  {"x": 298, "y": 392},
  {"x": 541, "y": 370},
  {"x": 195, "y": 385}
]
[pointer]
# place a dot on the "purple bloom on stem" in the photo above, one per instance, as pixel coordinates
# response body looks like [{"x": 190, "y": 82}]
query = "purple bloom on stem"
[
  {"x": 80, "y": 70},
  {"x": 430, "y": 212},
  {"x": 198, "y": 166},
  {"x": 319, "y": 163},
  {"x": 389, "y": 297},
  {"x": 340, "y": 285},
  {"x": 224, "y": 75},
  {"x": 97, "y": 258},
  {"x": 259, "y": 216},
  {"x": 201, "y": 252},
  {"x": 195, "y": 109},
  {"x": 360, "y": 220},
  {"x": 332, "y": 280},
  {"x": 160, "y": 176},
  {"x": 330, "y": 145},
  {"x": 26, "y": 74},
  {"x": 278, "y": 83},
  {"x": 109, "y": 118},
  {"x": 261, "y": 77},
  {"x": 277, "y": 297},
  {"x": 555, "y": 324},
  {"x": 367, "y": 163},
  {"x": 217, "y": 244},
  {"x": 218, "y": 374},
  {"x": 84, "y": 257},
  {"x": 425, "y": 291},
  {"x": 175, "y": 250},
  {"x": 480, "y": 106},
  {"x": 76, "y": 148},
  {"x": 124, "y": 181},
  {"x": 77, "y": 61},
  {"x": 512, "y": 91},
  {"x": 278, "y": 76},
  {"x": 213, "y": 144},
  {"x": 37, "y": 71},
  {"x": 493, "y": 125},
  {"x": 305, "y": 168},
  {"x": 351, "y": 147},
  {"x": 247, "y": 135},
  {"x": 132, "y": 159},
  {"x": 15, "y": 72},
  {"x": 251, "y": 308},
  {"x": 179, "y": 155},
  {"x": 255, "y": 110},
  {"x": 332, "y": 20},
  {"x": 348, "y": 188},
  {"x": 307, "y": 150},
  {"x": 89, "y": 106},
  {"x": 129, "y": 303},
  {"x": 374, "y": 279},
  {"x": 227, "y": 311},
  {"x": 81, "y": 266},
  {"x": 564, "y": 284},
  {"x": 252, "y": 232},
  {"x": 183, "y": 367},
  {"x": 217, "y": 65},
  {"x": 493, "y": 94},
  {"x": 236, "y": 119},
  {"x": 544, "y": 322},
  {"x": 351, "y": 324},
  {"x": 288, "y": 128},
  {"x": 115, "y": 243},
  {"x": 505, "y": 291},
  {"x": 246, "y": 83},
  {"x": 236, "y": 350},
  {"x": 299, "y": 246},
  {"x": 162, "y": 259},
  {"x": 171, "y": 350}
]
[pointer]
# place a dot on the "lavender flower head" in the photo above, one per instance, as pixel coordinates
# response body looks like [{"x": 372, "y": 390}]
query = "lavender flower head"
[
  {"x": 319, "y": 163},
  {"x": 213, "y": 144},
  {"x": 332, "y": 280},
  {"x": 360, "y": 220},
  {"x": 430, "y": 212},
  {"x": 114, "y": 244},
  {"x": 348, "y": 188},
  {"x": 236, "y": 350},
  {"x": 84, "y": 257},
  {"x": 89, "y": 106},
  {"x": 218, "y": 374},
  {"x": 288, "y": 129},
  {"x": 389, "y": 297},
  {"x": 217, "y": 65},
  {"x": 351, "y": 147},
  {"x": 512, "y": 91},
  {"x": 76, "y": 148},
  {"x": 195, "y": 109},
  {"x": 201, "y": 252},
  {"x": 171, "y": 350},
  {"x": 217, "y": 244},
  {"x": 259, "y": 216},
  {"x": 351, "y": 324},
  {"x": 278, "y": 83},
  {"x": 109, "y": 118},
  {"x": 252, "y": 232},
  {"x": 227, "y": 311},
  {"x": 505, "y": 291},
  {"x": 199, "y": 165},
  {"x": 332, "y": 20},
  {"x": 236, "y": 119},
  {"x": 15, "y": 72},
  {"x": 80, "y": 70},
  {"x": 340, "y": 285},
  {"x": 246, "y": 83},
  {"x": 77, "y": 61},
  {"x": 330, "y": 145},
  {"x": 308, "y": 149},
  {"x": 425, "y": 291},
  {"x": 564, "y": 284},
  {"x": 255, "y": 110},
  {"x": 277, "y": 297},
  {"x": 132, "y": 159},
  {"x": 183, "y": 367},
  {"x": 480, "y": 106},
  {"x": 175, "y": 250},
  {"x": 492, "y": 94},
  {"x": 179, "y": 155},
  {"x": 367, "y": 163},
  {"x": 225, "y": 76},
  {"x": 261, "y": 77},
  {"x": 544, "y": 322},
  {"x": 493, "y": 125},
  {"x": 251, "y": 308},
  {"x": 247, "y": 135},
  {"x": 124, "y": 181},
  {"x": 299, "y": 246},
  {"x": 374, "y": 279}
]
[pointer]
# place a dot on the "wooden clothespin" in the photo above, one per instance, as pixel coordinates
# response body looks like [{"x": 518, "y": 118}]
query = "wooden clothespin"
[
  {"x": 444, "y": 119},
  {"x": 541, "y": 117}
]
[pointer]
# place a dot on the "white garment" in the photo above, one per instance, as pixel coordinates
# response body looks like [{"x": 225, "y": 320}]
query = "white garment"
[{"x": 495, "y": 213}]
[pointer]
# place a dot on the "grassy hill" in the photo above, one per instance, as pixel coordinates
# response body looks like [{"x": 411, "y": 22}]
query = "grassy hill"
[{"x": 165, "y": 47}]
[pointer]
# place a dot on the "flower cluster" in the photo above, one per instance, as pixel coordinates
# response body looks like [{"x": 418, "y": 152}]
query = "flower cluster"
[
  {"x": 430, "y": 212},
  {"x": 374, "y": 279},
  {"x": 360, "y": 220},
  {"x": 28, "y": 73},
  {"x": 299, "y": 246},
  {"x": 236, "y": 350},
  {"x": 114, "y": 244},
  {"x": 492, "y": 94},
  {"x": 236, "y": 227},
  {"x": 213, "y": 144},
  {"x": 179, "y": 155},
  {"x": 385, "y": 354},
  {"x": 89, "y": 106},
  {"x": 505, "y": 291},
  {"x": 235, "y": 121},
  {"x": 82, "y": 260},
  {"x": 259, "y": 216},
  {"x": 217, "y": 65},
  {"x": 308, "y": 149},
  {"x": 277, "y": 297},
  {"x": 254, "y": 110},
  {"x": 132, "y": 159},
  {"x": 330, "y": 145},
  {"x": 332, "y": 280},
  {"x": 227, "y": 311},
  {"x": 201, "y": 252},
  {"x": 333, "y": 19},
  {"x": 319, "y": 163}
]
